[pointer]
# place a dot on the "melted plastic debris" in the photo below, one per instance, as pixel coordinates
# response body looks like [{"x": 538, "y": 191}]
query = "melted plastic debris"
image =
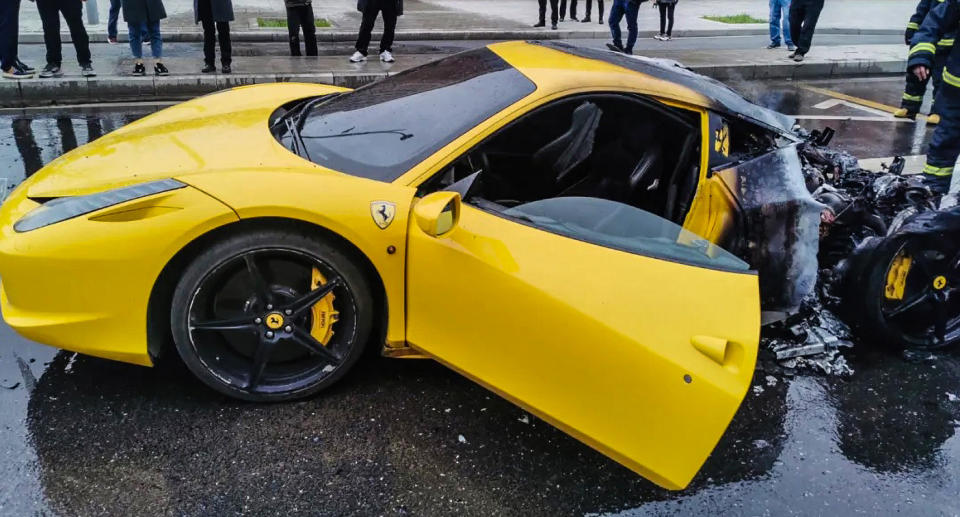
[{"x": 810, "y": 341}]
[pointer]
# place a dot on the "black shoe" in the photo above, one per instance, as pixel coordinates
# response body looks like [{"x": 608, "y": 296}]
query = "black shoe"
[
  {"x": 25, "y": 67},
  {"x": 540, "y": 24},
  {"x": 574, "y": 18},
  {"x": 773, "y": 45},
  {"x": 226, "y": 69},
  {"x": 601, "y": 21},
  {"x": 16, "y": 73},
  {"x": 87, "y": 70},
  {"x": 159, "y": 69},
  {"x": 139, "y": 69},
  {"x": 614, "y": 47},
  {"x": 585, "y": 20},
  {"x": 553, "y": 26},
  {"x": 562, "y": 20},
  {"x": 51, "y": 70},
  {"x": 208, "y": 69},
  {"x": 792, "y": 55}
]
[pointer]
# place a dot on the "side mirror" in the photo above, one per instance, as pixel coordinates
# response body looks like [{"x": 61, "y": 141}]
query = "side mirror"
[{"x": 437, "y": 213}]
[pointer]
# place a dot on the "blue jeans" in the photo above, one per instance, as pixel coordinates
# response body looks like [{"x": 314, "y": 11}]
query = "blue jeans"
[
  {"x": 777, "y": 8},
  {"x": 619, "y": 9},
  {"x": 112, "y": 18},
  {"x": 137, "y": 32}
]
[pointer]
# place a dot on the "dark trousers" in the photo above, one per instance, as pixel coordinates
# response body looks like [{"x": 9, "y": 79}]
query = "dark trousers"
[
  {"x": 553, "y": 11},
  {"x": 301, "y": 17},
  {"x": 916, "y": 89},
  {"x": 370, "y": 12},
  {"x": 586, "y": 14},
  {"x": 72, "y": 11},
  {"x": 666, "y": 18},
  {"x": 618, "y": 10},
  {"x": 113, "y": 17},
  {"x": 945, "y": 142},
  {"x": 9, "y": 32},
  {"x": 573, "y": 9},
  {"x": 210, "y": 31},
  {"x": 803, "y": 21}
]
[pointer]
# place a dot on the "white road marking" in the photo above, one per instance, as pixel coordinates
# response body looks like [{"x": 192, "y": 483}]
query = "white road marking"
[
  {"x": 830, "y": 103},
  {"x": 885, "y": 118}
]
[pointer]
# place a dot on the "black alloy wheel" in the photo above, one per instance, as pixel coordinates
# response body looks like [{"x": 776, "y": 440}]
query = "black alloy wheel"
[
  {"x": 911, "y": 290},
  {"x": 271, "y": 315}
]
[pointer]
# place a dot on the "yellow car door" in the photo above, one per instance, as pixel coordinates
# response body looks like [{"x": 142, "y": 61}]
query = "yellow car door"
[{"x": 618, "y": 327}]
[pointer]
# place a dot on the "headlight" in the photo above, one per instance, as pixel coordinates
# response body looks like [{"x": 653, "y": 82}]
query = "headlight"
[{"x": 69, "y": 207}]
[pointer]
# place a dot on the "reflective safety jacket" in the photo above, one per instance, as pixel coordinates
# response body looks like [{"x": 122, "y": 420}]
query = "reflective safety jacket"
[
  {"x": 923, "y": 7},
  {"x": 936, "y": 33}
]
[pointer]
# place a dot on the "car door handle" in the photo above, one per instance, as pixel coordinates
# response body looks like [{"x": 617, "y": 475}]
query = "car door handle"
[{"x": 713, "y": 347}]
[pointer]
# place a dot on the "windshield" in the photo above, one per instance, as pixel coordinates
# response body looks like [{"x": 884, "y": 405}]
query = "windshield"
[
  {"x": 382, "y": 130},
  {"x": 616, "y": 225}
]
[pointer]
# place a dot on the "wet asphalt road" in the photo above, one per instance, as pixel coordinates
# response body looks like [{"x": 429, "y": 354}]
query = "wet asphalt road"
[{"x": 83, "y": 436}]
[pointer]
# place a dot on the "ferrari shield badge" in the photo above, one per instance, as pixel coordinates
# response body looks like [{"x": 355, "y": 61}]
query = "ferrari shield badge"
[{"x": 383, "y": 212}]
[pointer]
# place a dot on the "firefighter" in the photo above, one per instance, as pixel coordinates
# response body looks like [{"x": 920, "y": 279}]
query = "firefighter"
[
  {"x": 916, "y": 88},
  {"x": 945, "y": 143}
]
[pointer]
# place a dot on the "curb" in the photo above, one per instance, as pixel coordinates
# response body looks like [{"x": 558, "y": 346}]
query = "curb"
[
  {"x": 46, "y": 92},
  {"x": 268, "y": 35}
]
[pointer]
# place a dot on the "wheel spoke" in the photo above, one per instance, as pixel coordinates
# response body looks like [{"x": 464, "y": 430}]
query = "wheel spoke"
[
  {"x": 236, "y": 324},
  {"x": 906, "y": 306},
  {"x": 306, "y": 340},
  {"x": 260, "y": 358},
  {"x": 259, "y": 282},
  {"x": 303, "y": 303},
  {"x": 940, "y": 317}
]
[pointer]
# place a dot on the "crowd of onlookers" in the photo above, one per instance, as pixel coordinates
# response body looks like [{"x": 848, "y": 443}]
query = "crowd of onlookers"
[{"x": 143, "y": 19}]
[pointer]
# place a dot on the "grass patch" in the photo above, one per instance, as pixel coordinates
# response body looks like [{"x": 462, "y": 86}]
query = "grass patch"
[
  {"x": 734, "y": 18},
  {"x": 280, "y": 22}
]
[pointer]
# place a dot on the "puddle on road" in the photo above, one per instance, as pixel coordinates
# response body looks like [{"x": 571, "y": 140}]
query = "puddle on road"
[{"x": 96, "y": 437}]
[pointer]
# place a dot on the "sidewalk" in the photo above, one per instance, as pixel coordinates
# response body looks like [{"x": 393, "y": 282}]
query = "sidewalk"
[
  {"x": 113, "y": 84},
  {"x": 497, "y": 19}
]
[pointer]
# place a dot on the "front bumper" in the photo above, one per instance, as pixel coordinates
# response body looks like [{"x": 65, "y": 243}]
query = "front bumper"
[{"x": 84, "y": 284}]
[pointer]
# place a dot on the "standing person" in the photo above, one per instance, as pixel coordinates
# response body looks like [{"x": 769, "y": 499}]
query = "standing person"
[
  {"x": 215, "y": 16},
  {"x": 300, "y": 15},
  {"x": 666, "y": 19},
  {"x": 780, "y": 9},
  {"x": 10, "y": 64},
  {"x": 586, "y": 17},
  {"x": 543, "y": 14},
  {"x": 390, "y": 10},
  {"x": 113, "y": 17},
  {"x": 143, "y": 21},
  {"x": 945, "y": 143},
  {"x": 803, "y": 22},
  {"x": 915, "y": 88},
  {"x": 72, "y": 11},
  {"x": 630, "y": 8}
]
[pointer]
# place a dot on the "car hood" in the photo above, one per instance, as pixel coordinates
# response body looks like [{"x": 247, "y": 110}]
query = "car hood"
[{"x": 223, "y": 131}]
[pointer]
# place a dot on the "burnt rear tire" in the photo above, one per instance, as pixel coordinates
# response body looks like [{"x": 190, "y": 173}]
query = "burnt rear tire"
[{"x": 246, "y": 312}]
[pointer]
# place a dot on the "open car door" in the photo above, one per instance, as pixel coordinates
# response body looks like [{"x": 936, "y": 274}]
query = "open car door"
[{"x": 615, "y": 325}]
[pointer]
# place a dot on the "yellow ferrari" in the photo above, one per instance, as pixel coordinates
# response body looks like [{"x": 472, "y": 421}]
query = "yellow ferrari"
[{"x": 547, "y": 220}]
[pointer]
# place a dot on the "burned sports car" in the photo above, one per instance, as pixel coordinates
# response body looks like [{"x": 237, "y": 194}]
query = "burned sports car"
[{"x": 587, "y": 234}]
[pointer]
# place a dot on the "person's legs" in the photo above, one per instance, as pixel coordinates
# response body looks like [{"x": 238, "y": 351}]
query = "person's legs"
[
  {"x": 587, "y": 10},
  {"x": 670, "y": 8},
  {"x": 945, "y": 143},
  {"x": 112, "y": 18},
  {"x": 553, "y": 11},
  {"x": 135, "y": 32},
  {"x": 563, "y": 10},
  {"x": 616, "y": 13},
  {"x": 936, "y": 75},
  {"x": 542, "y": 18},
  {"x": 8, "y": 16},
  {"x": 787, "y": 34},
  {"x": 600, "y": 10},
  {"x": 663, "y": 18},
  {"x": 73, "y": 13},
  {"x": 156, "y": 39},
  {"x": 205, "y": 13},
  {"x": 226, "y": 46},
  {"x": 309, "y": 30},
  {"x": 912, "y": 96},
  {"x": 810, "y": 17},
  {"x": 389, "y": 10},
  {"x": 632, "y": 10},
  {"x": 573, "y": 10},
  {"x": 50, "y": 19},
  {"x": 293, "y": 30},
  {"x": 797, "y": 12},
  {"x": 774, "y": 22},
  {"x": 370, "y": 12}
]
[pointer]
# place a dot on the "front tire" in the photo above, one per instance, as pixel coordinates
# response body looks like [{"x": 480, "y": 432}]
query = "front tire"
[{"x": 271, "y": 315}]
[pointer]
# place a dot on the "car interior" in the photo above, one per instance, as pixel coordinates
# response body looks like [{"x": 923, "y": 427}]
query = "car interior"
[{"x": 618, "y": 147}]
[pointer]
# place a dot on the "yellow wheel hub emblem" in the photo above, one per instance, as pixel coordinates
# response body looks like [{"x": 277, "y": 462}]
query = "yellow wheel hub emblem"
[
  {"x": 940, "y": 282},
  {"x": 324, "y": 314},
  {"x": 897, "y": 277},
  {"x": 274, "y": 320}
]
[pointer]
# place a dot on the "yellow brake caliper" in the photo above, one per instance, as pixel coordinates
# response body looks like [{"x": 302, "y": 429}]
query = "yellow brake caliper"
[
  {"x": 897, "y": 276},
  {"x": 324, "y": 315}
]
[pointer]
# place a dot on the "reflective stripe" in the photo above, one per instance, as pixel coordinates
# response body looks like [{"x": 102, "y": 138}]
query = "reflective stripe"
[
  {"x": 913, "y": 25},
  {"x": 945, "y": 42},
  {"x": 950, "y": 79},
  {"x": 914, "y": 98},
  {"x": 923, "y": 47},
  {"x": 938, "y": 171}
]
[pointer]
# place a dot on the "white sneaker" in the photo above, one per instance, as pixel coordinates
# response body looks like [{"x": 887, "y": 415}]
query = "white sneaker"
[
  {"x": 386, "y": 56},
  {"x": 658, "y": 37},
  {"x": 357, "y": 57}
]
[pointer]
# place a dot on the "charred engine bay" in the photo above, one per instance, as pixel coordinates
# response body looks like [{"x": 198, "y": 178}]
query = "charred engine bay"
[{"x": 887, "y": 264}]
